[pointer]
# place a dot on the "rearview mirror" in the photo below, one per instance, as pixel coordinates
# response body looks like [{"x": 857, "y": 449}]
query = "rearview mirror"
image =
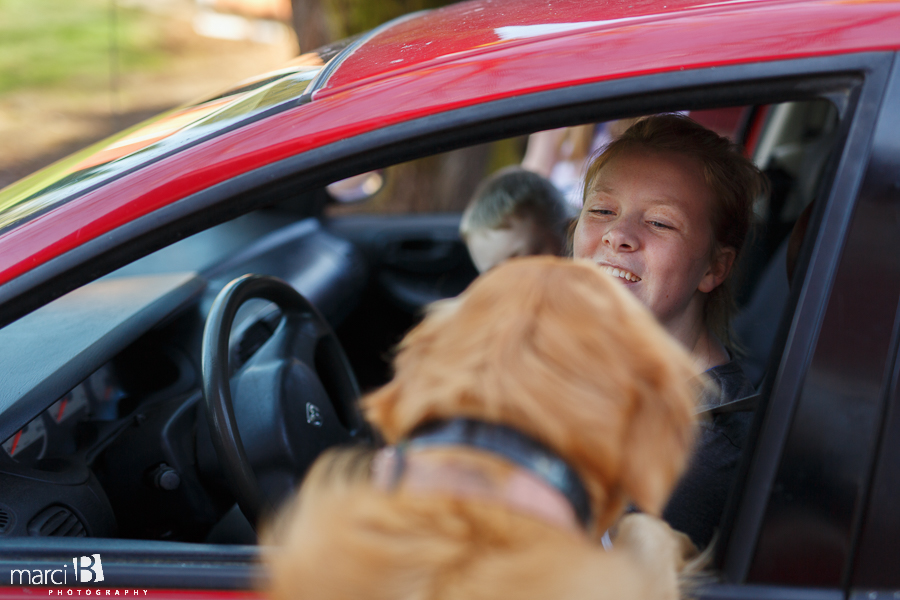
[{"x": 357, "y": 188}]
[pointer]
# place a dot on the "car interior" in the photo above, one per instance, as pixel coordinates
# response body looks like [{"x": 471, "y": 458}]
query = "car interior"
[{"x": 116, "y": 439}]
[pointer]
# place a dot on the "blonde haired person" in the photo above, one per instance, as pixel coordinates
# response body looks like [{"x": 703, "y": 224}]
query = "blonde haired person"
[{"x": 514, "y": 212}]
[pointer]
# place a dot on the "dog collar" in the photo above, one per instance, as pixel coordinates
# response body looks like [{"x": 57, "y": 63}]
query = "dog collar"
[{"x": 514, "y": 446}]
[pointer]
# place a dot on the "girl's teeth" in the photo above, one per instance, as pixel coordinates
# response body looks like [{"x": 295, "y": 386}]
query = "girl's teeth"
[{"x": 621, "y": 273}]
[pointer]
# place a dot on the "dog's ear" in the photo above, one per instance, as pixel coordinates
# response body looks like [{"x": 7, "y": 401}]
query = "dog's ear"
[
  {"x": 656, "y": 450},
  {"x": 380, "y": 410}
]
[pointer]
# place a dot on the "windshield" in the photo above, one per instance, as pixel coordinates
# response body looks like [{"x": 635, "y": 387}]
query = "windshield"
[{"x": 163, "y": 136}]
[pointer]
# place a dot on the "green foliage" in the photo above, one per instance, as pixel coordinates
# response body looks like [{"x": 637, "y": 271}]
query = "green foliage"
[
  {"x": 506, "y": 153},
  {"x": 70, "y": 42},
  {"x": 356, "y": 16}
]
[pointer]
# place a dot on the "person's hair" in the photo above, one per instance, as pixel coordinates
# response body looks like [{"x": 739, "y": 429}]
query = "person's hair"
[
  {"x": 735, "y": 181},
  {"x": 514, "y": 192}
]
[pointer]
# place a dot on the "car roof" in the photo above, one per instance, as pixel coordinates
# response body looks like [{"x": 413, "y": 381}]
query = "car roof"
[
  {"x": 483, "y": 27},
  {"x": 417, "y": 66}
]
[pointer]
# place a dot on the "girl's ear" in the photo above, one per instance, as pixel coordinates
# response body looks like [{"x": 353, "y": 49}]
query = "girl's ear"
[{"x": 719, "y": 268}]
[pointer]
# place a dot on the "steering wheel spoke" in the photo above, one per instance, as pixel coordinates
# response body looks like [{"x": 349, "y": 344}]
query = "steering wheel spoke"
[
  {"x": 303, "y": 337},
  {"x": 295, "y": 336}
]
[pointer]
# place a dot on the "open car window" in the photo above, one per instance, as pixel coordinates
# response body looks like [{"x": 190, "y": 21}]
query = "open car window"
[{"x": 790, "y": 142}]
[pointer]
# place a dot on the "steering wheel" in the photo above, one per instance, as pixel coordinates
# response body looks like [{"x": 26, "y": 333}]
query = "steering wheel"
[{"x": 294, "y": 397}]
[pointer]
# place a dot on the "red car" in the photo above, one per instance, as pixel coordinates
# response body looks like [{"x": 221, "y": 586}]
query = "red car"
[{"x": 121, "y": 467}]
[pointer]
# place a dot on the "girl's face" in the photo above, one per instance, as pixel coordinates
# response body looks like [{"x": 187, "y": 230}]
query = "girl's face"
[{"x": 646, "y": 220}]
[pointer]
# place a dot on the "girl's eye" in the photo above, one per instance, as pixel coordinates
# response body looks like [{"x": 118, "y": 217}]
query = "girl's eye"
[
  {"x": 601, "y": 211},
  {"x": 659, "y": 225}
]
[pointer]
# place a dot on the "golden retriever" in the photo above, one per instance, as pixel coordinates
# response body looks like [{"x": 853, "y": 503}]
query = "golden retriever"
[{"x": 564, "y": 356}]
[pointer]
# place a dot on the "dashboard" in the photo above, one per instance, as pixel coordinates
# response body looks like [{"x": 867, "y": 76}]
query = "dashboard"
[
  {"x": 56, "y": 422},
  {"x": 101, "y": 415}
]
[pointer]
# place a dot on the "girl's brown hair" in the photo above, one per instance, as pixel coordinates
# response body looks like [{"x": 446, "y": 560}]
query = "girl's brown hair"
[{"x": 735, "y": 181}]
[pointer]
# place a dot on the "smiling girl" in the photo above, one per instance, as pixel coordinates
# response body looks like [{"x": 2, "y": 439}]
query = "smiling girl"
[{"x": 667, "y": 208}]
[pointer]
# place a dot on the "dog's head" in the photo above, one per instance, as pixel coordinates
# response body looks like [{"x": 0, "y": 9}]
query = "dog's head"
[{"x": 560, "y": 351}]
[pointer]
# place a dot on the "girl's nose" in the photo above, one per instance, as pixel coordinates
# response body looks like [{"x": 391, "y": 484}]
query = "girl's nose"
[{"x": 621, "y": 237}]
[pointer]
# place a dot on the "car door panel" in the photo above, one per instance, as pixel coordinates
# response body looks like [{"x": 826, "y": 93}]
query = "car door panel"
[{"x": 414, "y": 260}]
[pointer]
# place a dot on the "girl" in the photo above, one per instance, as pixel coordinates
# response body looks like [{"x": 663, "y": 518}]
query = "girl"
[{"x": 667, "y": 207}]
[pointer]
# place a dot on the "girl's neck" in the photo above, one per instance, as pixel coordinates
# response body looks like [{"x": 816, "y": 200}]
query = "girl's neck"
[
  {"x": 708, "y": 352},
  {"x": 690, "y": 329}
]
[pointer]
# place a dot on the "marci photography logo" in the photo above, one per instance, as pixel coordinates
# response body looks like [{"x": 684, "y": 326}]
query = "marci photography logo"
[
  {"x": 88, "y": 569},
  {"x": 85, "y": 570}
]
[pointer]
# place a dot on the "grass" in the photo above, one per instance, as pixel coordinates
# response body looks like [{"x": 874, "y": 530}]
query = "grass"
[{"x": 74, "y": 43}]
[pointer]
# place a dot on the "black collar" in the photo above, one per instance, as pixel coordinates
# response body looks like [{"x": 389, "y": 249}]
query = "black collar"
[{"x": 512, "y": 445}]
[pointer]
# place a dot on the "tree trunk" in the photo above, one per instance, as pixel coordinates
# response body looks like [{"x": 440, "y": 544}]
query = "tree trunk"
[{"x": 310, "y": 24}]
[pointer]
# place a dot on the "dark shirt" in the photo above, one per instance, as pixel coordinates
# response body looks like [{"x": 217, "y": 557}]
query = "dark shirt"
[{"x": 699, "y": 498}]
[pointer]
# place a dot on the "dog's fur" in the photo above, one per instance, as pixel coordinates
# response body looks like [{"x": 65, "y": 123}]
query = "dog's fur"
[{"x": 559, "y": 351}]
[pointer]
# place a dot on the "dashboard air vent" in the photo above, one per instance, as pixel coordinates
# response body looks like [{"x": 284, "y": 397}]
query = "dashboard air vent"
[{"x": 56, "y": 521}]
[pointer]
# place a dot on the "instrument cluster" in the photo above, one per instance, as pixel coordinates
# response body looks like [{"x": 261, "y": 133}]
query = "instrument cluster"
[{"x": 54, "y": 432}]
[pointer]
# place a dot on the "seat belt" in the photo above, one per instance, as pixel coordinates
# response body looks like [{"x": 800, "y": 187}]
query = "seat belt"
[{"x": 745, "y": 404}]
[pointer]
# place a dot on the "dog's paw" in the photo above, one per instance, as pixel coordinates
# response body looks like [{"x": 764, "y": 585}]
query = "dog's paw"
[{"x": 653, "y": 542}]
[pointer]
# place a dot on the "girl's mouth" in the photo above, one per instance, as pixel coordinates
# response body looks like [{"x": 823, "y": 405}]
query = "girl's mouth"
[{"x": 620, "y": 273}]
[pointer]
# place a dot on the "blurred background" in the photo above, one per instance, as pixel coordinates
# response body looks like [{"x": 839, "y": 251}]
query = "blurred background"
[{"x": 75, "y": 71}]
